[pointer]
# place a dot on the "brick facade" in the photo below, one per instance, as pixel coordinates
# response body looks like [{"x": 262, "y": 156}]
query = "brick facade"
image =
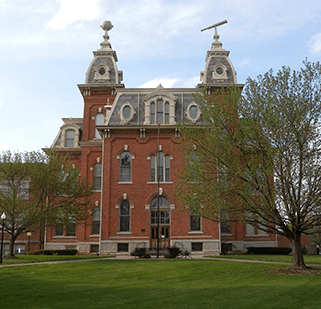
[{"x": 129, "y": 126}]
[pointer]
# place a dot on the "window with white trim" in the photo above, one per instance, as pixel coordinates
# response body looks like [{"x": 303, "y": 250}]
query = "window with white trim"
[
  {"x": 70, "y": 138},
  {"x": 124, "y": 216},
  {"x": 125, "y": 167},
  {"x": 96, "y": 221},
  {"x": 99, "y": 120},
  {"x": 162, "y": 173},
  {"x": 97, "y": 176}
]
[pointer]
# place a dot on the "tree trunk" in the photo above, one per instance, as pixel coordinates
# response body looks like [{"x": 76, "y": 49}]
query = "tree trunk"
[
  {"x": 13, "y": 238},
  {"x": 297, "y": 254}
]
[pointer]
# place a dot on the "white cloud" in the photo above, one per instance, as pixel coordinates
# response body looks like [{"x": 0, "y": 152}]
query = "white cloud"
[
  {"x": 172, "y": 82},
  {"x": 1, "y": 103},
  {"x": 75, "y": 10},
  {"x": 244, "y": 62},
  {"x": 4, "y": 147},
  {"x": 165, "y": 82},
  {"x": 315, "y": 44}
]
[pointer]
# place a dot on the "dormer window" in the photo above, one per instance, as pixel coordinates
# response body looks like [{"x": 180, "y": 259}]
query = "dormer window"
[
  {"x": 99, "y": 120},
  {"x": 219, "y": 72},
  {"x": 159, "y": 112},
  {"x": 102, "y": 74},
  {"x": 70, "y": 138},
  {"x": 160, "y": 107},
  {"x": 126, "y": 113},
  {"x": 193, "y": 113}
]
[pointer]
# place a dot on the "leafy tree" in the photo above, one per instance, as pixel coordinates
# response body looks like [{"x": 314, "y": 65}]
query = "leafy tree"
[
  {"x": 37, "y": 189},
  {"x": 257, "y": 155}
]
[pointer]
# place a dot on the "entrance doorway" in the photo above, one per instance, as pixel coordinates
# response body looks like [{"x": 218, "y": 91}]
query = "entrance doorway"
[
  {"x": 163, "y": 217},
  {"x": 163, "y": 237}
]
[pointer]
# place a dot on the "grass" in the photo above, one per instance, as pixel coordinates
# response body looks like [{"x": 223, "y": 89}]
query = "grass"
[
  {"x": 155, "y": 284},
  {"x": 20, "y": 259},
  {"x": 308, "y": 259}
]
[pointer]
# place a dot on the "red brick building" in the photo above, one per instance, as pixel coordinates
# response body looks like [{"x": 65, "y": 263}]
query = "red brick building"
[{"x": 115, "y": 145}]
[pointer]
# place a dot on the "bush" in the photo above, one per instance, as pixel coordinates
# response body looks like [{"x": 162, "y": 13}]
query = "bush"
[
  {"x": 140, "y": 252},
  {"x": 269, "y": 250},
  {"x": 173, "y": 252},
  {"x": 54, "y": 252}
]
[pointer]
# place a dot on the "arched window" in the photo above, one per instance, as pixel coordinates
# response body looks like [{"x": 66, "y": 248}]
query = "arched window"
[
  {"x": 152, "y": 113},
  {"x": 96, "y": 221},
  {"x": 70, "y": 138},
  {"x": 193, "y": 166},
  {"x": 99, "y": 120},
  {"x": 97, "y": 176},
  {"x": 162, "y": 173},
  {"x": 195, "y": 222},
  {"x": 160, "y": 112},
  {"x": 124, "y": 216},
  {"x": 164, "y": 211},
  {"x": 125, "y": 167}
]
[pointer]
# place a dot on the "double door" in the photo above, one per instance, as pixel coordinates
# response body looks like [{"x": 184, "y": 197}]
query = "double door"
[{"x": 164, "y": 240}]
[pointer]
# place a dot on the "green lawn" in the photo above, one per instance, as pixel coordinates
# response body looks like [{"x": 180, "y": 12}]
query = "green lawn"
[
  {"x": 155, "y": 284},
  {"x": 20, "y": 259},
  {"x": 308, "y": 259}
]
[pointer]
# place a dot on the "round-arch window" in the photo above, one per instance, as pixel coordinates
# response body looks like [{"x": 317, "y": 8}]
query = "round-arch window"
[
  {"x": 126, "y": 112},
  {"x": 219, "y": 71},
  {"x": 163, "y": 202},
  {"x": 102, "y": 71},
  {"x": 193, "y": 112}
]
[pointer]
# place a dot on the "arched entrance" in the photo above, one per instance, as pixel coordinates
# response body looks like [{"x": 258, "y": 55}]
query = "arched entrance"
[{"x": 164, "y": 222}]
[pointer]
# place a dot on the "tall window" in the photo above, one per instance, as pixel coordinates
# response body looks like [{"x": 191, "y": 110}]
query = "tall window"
[
  {"x": 159, "y": 112},
  {"x": 124, "y": 216},
  {"x": 99, "y": 120},
  {"x": 162, "y": 173},
  {"x": 193, "y": 166},
  {"x": 125, "y": 167},
  {"x": 70, "y": 138},
  {"x": 152, "y": 113},
  {"x": 164, "y": 212},
  {"x": 255, "y": 229},
  {"x": 225, "y": 223},
  {"x": 195, "y": 222},
  {"x": 97, "y": 176},
  {"x": 18, "y": 187},
  {"x": 96, "y": 221},
  {"x": 67, "y": 229}
]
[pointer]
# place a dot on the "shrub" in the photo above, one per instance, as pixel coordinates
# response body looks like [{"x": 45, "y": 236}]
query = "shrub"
[
  {"x": 54, "y": 252},
  {"x": 140, "y": 252},
  {"x": 173, "y": 252},
  {"x": 269, "y": 250}
]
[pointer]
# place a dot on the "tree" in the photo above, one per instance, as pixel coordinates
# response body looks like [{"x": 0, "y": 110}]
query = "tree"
[
  {"x": 37, "y": 190},
  {"x": 258, "y": 154}
]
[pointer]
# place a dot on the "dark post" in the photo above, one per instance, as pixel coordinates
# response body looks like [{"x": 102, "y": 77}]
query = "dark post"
[
  {"x": 158, "y": 174},
  {"x": 29, "y": 235},
  {"x": 3, "y": 217}
]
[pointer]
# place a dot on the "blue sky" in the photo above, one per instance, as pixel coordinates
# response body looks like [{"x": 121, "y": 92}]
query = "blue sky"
[{"x": 46, "y": 48}]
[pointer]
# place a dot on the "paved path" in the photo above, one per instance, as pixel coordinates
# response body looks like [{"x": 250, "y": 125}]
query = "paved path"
[{"x": 126, "y": 257}]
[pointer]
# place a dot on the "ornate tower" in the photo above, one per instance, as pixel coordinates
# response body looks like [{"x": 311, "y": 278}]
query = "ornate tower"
[{"x": 219, "y": 70}]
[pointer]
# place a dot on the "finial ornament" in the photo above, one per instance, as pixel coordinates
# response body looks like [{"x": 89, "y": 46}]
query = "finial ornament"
[
  {"x": 216, "y": 44},
  {"x": 216, "y": 25},
  {"x": 106, "y": 26}
]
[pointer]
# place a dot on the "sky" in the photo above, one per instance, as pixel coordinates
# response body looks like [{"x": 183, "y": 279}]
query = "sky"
[{"x": 46, "y": 48}]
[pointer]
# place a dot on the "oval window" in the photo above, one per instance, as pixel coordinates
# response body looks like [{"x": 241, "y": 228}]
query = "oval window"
[
  {"x": 193, "y": 112},
  {"x": 219, "y": 71},
  {"x": 126, "y": 112},
  {"x": 102, "y": 71}
]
